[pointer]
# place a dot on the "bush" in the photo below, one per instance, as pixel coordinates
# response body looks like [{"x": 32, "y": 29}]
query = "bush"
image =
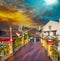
[{"x": 55, "y": 41}]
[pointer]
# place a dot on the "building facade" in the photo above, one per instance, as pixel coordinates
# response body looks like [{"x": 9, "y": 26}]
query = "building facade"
[{"x": 52, "y": 28}]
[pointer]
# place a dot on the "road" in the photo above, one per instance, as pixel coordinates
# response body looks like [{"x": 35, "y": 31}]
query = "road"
[{"x": 30, "y": 52}]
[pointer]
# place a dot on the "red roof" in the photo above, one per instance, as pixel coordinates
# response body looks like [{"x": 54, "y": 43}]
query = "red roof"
[{"x": 6, "y": 39}]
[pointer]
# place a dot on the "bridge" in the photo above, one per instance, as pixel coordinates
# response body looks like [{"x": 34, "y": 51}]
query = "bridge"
[{"x": 33, "y": 51}]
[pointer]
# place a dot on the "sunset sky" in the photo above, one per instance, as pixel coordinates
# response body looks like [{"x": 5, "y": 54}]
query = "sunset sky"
[
  {"x": 11, "y": 16},
  {"x": 28, "y": 12},
  {"x": 15, "y": 18}
]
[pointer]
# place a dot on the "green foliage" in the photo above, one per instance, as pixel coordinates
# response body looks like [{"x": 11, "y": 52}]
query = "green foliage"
[
  {"x": 25, "y": 36},
  {"x": 0, "y": 44},
  {"x": 55, "y": 41},
  {"x": 20, "y": 36},
  {"x": 40, "y": 30},
  {"x": 55, "y": 54},
  {"x": 17, "y": 42},
  {"x": 29, "y": 35}
]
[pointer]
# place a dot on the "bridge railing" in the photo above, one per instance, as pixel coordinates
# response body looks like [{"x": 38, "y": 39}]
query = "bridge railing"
[{"x": 51, "y": 50}]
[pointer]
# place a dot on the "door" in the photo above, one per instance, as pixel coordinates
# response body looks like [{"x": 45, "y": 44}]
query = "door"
[
  {"x": 37, "y": 39},
  {"x": 32, "y": 39}
]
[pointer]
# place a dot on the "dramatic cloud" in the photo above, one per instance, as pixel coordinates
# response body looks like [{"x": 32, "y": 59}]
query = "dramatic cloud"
[
  {"x": 39, "y": 10},
  {"x": 14, "y": 17}
]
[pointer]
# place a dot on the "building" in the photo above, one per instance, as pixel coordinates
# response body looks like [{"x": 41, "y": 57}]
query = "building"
[{"x": 52, "y": 28}]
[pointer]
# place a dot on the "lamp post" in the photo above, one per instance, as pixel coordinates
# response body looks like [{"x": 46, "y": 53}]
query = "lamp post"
[
  {"x": 11, "y": 34},
  {"x": 11, "y": 40},
  {"x": 27, "y": 37}
]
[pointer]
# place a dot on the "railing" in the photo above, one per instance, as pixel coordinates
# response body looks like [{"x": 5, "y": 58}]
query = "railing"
[
  {"x": 52, "y": 50},
  {"x": 12, "y": 47},
  {"x": 56, "y": 54}
]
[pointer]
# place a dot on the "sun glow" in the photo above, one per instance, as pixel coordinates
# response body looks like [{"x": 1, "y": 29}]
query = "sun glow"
[{"x": 51, "y": 2}]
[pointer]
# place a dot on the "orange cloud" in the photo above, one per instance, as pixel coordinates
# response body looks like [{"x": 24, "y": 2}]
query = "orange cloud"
[{"x": 16, "y": 18}]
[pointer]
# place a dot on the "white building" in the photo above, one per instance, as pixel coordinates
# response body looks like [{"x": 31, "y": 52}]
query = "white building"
[{"x": 52, "y": 28}]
